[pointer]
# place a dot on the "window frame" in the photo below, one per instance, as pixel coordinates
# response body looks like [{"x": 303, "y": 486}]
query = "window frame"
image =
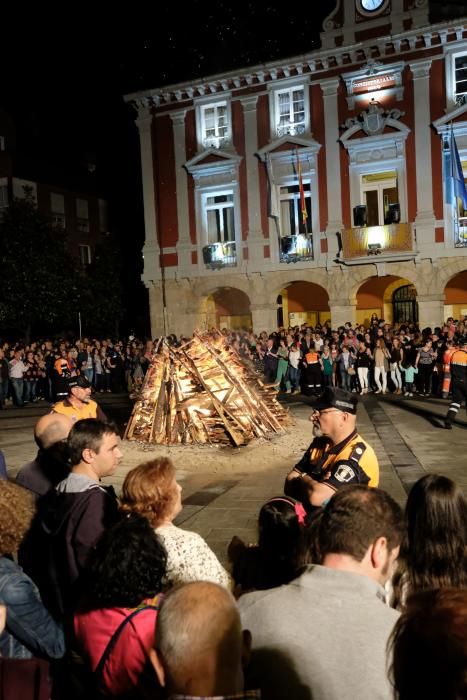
[
  {"x": 454, "y": 51},
  {"x": 205, "y": 208},
  {"x": 295, "y": 196},
  {"x": 87, "y": 247},
  {"x": 279, "y": 88},
  {"x": 217, "y": 142}
]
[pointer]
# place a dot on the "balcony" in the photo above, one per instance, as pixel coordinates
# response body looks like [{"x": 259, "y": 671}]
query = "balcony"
[
  {"x": 219, "y": 255},
  {"x": 393, "y": 241},
  {"x": 297, "y": 248},
  {"x": 460, "y": 232}
]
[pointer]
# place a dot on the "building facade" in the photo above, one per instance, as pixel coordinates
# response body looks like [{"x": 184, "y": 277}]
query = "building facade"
[
  {"x": 73, "y": 207},
  {"x": 312, "y": 188}
]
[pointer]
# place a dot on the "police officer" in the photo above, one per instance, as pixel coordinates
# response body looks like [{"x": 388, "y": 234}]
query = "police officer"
[
  {"x": 458, "y": 366},
  {"x": 337, "y": 456}
]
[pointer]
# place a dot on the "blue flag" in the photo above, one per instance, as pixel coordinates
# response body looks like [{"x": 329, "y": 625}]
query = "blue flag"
[{"x": 455, "y": 173}]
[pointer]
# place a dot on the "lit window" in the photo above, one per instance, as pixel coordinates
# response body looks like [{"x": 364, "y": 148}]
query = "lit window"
[
  {"x": 460, "y": 79},
  {"x": 291, "y": 215},
  {"x": 85, "y": 254},
  {"x": 219, "y": 217},
  {"x": 215, "y": 132},
  {"x": 380, "y": 194},
  {"x": 290, "y": 111}
]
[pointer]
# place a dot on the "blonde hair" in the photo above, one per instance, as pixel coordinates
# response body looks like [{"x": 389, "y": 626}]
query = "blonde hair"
[
  {"x": 16, "y": 513},
  {"x": 148, "y": 490}
]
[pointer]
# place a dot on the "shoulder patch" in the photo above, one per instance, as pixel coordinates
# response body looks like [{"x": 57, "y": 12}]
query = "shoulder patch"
[{"x": 344, "y": 474}]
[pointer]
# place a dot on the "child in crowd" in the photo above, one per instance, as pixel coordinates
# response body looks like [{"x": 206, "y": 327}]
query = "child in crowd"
[{"x": 409, "y": 374}]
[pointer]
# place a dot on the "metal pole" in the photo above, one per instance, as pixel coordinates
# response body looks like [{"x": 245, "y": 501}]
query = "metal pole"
[{"x": 79, "y": 322}]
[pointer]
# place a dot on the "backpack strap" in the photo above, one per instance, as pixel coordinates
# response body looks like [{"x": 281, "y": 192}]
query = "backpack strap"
[{"x": 114, "y": 638}]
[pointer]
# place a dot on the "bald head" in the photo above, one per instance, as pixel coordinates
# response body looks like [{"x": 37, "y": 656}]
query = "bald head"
[
  {"x": 51, "y": 429},
  {"x": 199, "y": 641}
]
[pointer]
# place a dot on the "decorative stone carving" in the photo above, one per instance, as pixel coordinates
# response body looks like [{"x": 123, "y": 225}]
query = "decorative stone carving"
[{"x": 373, "y": 120}]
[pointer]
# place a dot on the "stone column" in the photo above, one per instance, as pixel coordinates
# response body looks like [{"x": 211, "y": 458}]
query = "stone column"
[
  {"x": 263, "y": 317},
  {"x": 333, "y": 168},
  {"x": 256, "y": 239},
  {"x": 430, "y": 310},
  {"x": 425, "y": 219},
  {"x": 184, "y": 242},
  {"x": 342, "y": 310},
  {"x": 151, "y": 251}
]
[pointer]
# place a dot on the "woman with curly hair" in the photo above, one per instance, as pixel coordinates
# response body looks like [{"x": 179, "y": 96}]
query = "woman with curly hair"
[
  {"x": 434, "y": 550},
  {"x": 114, "y": 625},
  {"x": 30, "y": 631},
  {"x": 151, "y": 490}
]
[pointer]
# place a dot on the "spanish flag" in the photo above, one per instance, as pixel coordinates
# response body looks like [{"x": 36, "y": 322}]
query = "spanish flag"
[{"x": 302, "y": 191}]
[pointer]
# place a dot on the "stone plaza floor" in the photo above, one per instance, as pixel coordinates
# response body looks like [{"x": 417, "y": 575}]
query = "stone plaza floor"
[{"x": 407, "y": 435}]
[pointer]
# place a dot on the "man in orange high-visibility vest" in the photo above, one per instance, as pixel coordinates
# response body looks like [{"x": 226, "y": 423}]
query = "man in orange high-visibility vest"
[{"x": 458, "y": 381}]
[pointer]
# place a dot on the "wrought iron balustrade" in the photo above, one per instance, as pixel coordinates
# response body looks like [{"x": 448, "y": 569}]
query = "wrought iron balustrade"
[
  {"x": 296, "y": 248},
  {"x": 218, "y": 255},
  {"x": 460, "y": 232}
]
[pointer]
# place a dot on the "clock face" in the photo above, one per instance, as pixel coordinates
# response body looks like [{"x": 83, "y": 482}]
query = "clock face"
[{"x": 371, "y": 5}]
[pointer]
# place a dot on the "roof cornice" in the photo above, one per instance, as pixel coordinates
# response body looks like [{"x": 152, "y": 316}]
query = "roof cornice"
[{"x": 314, "y": 64}]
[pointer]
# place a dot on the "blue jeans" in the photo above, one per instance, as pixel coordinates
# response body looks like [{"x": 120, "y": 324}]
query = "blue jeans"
[
  {"x": 30, "y": 390},
  {"x": 18, "y": 387}
]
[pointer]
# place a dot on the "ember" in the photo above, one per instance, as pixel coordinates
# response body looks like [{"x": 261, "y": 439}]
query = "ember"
[{"x": 203, "y": 393}]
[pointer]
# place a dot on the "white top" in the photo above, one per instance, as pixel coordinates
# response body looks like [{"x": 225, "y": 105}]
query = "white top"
[
  {"x": 190, "y": 559},
  {"x": 17, "y": 369}
]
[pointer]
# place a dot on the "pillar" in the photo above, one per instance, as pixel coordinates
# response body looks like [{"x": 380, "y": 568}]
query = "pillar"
[
  {"x": 425, "y": 219},
  {"x": 333, "y": 167},
  {"x": 430, "y": 310},
  {"x": 255, "y": 234},
  {"x": 342, "y": 310},
  {"x": 184, "y": 243}
]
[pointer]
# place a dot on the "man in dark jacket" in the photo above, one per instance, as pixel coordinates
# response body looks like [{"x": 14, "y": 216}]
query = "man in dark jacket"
[{"x": 72, "y": 517}]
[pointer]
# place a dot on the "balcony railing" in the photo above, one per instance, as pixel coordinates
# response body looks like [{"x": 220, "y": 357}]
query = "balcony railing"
[
  {"x": 460, "y": 233},
  {"x": 219, "y": 255},
  {"x": 296, "y": 248},
  {"x": 217, "y": 142},
  {"x": 377, "y": 240}
]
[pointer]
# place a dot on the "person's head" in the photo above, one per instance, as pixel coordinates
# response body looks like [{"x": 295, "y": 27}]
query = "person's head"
[
  {"x": 94, "y": 446},
  {"x": 429, "y": 646},
  {"x": 199, "y": 642},
  {"x": 127, "y": 565},
  {"x": 282, "y": 534},
  {"x": 361, "y": 530},
  {"x": 50, "y": 429},
  {"x": 18, "y": 355},
  {"x": 151, "y": 489},
  {"x": 334, "y": 414},
  {"x": 434, "y": 550},
  {"x": 16, "y": 514},
  {"x": 79, "y": 388}
]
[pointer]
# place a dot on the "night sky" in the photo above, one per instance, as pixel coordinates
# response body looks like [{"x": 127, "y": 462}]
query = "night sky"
[{"x": 65, "y": 91}]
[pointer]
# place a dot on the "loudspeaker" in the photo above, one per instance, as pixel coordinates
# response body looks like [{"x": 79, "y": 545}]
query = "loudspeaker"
[
  {"x": 394, "y": 213},
  {"x": 359, "y": 215}
]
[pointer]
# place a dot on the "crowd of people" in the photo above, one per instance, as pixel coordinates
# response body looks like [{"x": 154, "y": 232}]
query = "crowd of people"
[
  {"x": 36, "y": 371},
  {"x": 342, "y": 595}
]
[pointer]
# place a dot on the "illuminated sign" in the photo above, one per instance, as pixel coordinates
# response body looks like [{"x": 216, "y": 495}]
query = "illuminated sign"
[{"x": 372, "y": 83}]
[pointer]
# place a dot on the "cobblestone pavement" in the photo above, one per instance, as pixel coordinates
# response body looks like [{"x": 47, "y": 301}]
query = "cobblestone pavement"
[{"x": 407, "y": 435}]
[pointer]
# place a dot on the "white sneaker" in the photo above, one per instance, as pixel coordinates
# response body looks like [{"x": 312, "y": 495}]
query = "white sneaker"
[{"x": 378, "y": 391}]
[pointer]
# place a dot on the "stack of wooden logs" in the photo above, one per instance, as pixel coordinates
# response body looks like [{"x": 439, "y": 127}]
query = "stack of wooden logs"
[{"x": 203, "y": 393}]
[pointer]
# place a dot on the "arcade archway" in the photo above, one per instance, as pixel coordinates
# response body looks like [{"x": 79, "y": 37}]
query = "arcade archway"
[
  {"x": 455, "y": 296},
  {"x": 303, "y": 302},
  {"x": 227, "y": 307},
  {"x": 391, "y": 298}
]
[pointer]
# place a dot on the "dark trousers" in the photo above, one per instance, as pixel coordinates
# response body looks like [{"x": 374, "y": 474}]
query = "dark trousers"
[{"x": 459, "y": 394}]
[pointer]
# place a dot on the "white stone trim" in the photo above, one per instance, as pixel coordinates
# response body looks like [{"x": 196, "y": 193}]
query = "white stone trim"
[
  {"x": 151, "y": 251},
  {"x": 299, "y": 82},
  {"x": 183, "y": 217},
  {"x": 212, "y": 100}
]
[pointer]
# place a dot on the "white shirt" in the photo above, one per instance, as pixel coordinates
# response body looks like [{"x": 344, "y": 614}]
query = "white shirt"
[{"x": 17, "y": 369}]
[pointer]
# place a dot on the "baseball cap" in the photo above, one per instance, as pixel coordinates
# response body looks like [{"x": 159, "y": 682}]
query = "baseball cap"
[
  {"x": 334, "y": 397},
  {"x": 80, "y": 381}
]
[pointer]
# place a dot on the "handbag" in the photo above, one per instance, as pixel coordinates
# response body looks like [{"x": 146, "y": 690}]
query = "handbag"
[{"x": 351, "y": 371}]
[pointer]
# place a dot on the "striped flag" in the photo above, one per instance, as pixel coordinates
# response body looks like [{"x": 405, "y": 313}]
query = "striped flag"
[
  {"x": 302, "y": 191},
  {"x": 455, "y": 172}
]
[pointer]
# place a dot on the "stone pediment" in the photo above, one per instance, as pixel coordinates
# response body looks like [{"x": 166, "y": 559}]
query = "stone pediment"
[
  {"x": 288, "y": 143},
  {"x": 213, "y": 162},
  {"x": 457, "y": 117}
]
